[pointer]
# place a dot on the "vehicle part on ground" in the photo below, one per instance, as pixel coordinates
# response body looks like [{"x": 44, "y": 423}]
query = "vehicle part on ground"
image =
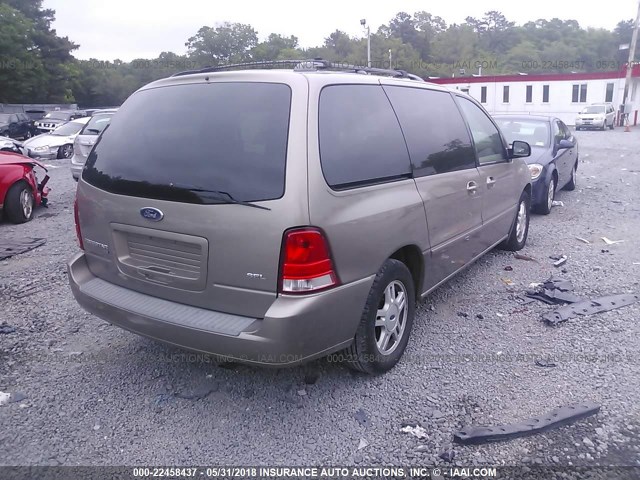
[
  {"x": 589, "y": 307},
  {"x": 6, "y": 329},
  {"x": 560, "y": 261},
  {"x": 545, "y": 363},
  {"x": 554, "y": 291},
  {"x": 16, "y": 246},
  {"x": 554, "y": 419},
  {"x": 611, "y": 242}
]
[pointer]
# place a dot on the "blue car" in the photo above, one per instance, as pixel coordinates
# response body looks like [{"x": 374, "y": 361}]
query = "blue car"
[{"x": 554, "y": 154}]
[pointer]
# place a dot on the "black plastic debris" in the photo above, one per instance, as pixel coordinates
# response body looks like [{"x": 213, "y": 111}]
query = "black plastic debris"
[
  {"x": 6, "y": 329},
  {"x": 554, "y": 419},
  {"x": 554, "y": 291},
  {"x": 10, "y": 247},
  {"x": 589, "y": 307},
  {"x": 545, "y": 363}
]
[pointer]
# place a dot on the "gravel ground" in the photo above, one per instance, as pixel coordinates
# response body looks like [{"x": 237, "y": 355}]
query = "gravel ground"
[{"x": 96, "y": 395}]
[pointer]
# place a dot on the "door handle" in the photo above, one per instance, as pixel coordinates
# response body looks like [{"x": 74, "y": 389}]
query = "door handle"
[
  {"x": 472, "y": 186},
  {"x": 491, "y": 181}
]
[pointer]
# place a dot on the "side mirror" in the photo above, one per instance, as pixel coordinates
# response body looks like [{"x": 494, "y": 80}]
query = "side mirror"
[
  {"x": 564, "y": 144},
  {"x": 519, "y": 149}
]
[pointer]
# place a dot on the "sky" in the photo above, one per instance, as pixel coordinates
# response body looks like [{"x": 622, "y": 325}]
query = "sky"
[{"x": 128, "y": 29}]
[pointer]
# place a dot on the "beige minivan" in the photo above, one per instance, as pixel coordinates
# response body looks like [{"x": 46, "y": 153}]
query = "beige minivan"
[{"x": 275, "y": 216}]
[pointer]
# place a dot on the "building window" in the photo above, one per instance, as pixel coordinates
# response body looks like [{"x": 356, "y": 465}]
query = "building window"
[
  {"x": 579, "y": 93},
  {"x": 529, "y": 93},
  {"x": 505, "y": 94},
  {"x": 545, "y": 94},
  {"x": 583, "y": 93},
  {"x": 483, "y": 95},
  {"x": 609, "y": 95}
]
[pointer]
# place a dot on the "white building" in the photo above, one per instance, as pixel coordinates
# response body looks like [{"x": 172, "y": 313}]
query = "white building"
[{"x": 560, "y": 95}]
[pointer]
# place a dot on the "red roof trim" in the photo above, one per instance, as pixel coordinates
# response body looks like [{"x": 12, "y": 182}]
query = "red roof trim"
[{"x": 549, "y": 77}]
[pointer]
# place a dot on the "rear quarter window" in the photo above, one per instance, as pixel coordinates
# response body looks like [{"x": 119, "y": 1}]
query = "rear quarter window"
[{"x": 360, "y": 139}]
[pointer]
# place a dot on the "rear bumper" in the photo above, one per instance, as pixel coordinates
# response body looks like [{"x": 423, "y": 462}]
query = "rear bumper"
[
  {"x": 76, "y": 170},
  {"x": 295, "y": 329}
]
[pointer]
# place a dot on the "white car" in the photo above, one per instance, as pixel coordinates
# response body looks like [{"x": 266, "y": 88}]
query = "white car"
[
  {"x": 598, "y": 115},
  {"x": 57, "y": 144},
  {"x": 11, "y": 145}
]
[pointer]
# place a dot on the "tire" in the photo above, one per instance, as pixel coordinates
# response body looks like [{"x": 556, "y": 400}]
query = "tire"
[
  {"x": 518, "y": 238},
  {"x": 367, "y": 353},
  {"x": 613, "y": 125},
  {"x": 571, "y": 185},
  {"x": 65, "y": 151},
  {"x": 19, "y": 203},
  {"x": 550, "y": 193}
]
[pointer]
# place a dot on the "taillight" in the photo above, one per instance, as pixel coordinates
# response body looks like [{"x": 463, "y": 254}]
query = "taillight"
[
  {"x": 77, "y": 220},
  {"x": 306, "y": 262}
]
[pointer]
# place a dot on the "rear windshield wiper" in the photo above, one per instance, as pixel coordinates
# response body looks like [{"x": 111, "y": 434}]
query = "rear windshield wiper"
[{"x": 223, "y": 197}]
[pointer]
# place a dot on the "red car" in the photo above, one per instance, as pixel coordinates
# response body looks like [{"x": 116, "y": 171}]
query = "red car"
[{"x": 20, "y": 192}]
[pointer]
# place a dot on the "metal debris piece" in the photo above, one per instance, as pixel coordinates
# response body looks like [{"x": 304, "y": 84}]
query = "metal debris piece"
[
  {"x": 508, "y": 268},
  {"x": 555, "y": 257},
  {"x": 554, "y": 419},
  {"x": 11, "y": 247},
  {"x": 545, "y": 363},
  {"x": 527, "y": 258},
  {"x": 611, "y": 242},
  {"x": 561, "y": 261},
  {"x": 417, "y": 431},
  {"x": 583, "y": 240},
  {"x": 557, "y": 203},
  {"x": 4, "y": 398},
  {"x": 589, "y": 307},
  {"x": 363, "y": 444}
]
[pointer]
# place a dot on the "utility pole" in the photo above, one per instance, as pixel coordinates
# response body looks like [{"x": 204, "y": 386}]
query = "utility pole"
[
  {"x": 363, "y": 22},
  {"x": 632, "y": 56}
]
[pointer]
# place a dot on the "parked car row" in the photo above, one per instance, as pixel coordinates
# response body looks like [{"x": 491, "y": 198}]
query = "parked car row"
[{"x": 55, "y": 119}]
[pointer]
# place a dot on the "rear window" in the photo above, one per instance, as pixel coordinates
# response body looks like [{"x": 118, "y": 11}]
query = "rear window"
[
  {"x": 230, "y": 137},
  {"x": 96, "y": 125}
]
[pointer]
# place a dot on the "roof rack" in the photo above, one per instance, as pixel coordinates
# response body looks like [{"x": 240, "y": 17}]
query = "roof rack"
[{"x": 314, "y": 64}]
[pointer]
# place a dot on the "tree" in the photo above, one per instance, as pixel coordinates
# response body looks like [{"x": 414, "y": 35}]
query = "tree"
[
  {"x": 54, "y": 51},
  {"x": 21, "y": 69},
  {"x": 228, "y": 43},
  {"x": 274, "y": 47},
  {"x": 339, "y": 44}
]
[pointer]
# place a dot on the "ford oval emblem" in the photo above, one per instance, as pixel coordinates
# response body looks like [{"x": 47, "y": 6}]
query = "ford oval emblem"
[{"x": 152, "y": 214}]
